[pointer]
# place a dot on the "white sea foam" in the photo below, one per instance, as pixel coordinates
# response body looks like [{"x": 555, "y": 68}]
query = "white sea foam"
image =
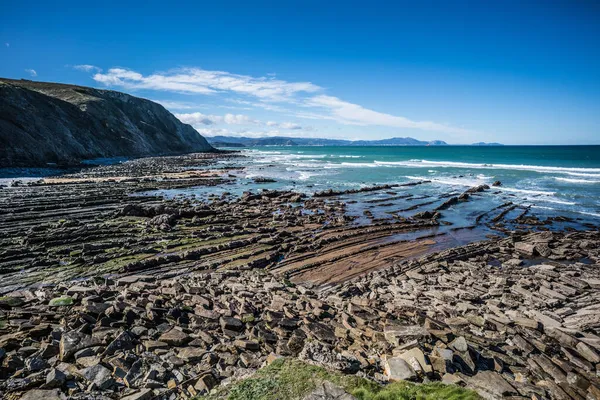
[
  {"x": 449, "y": 181},
  {"x": 527, "y": 191},
  {"x": 571, "y": 180},
  {"x": 452, "y": 164},
  {"x": 550, "y": 200},
  {"x": 474, "y": 182},
  {"x": 559, "y": 211}
]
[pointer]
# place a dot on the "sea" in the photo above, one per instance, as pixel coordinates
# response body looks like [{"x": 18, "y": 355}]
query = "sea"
[
  {"x": 558, "y": 185},
  {"x": 545, "y": 182}
]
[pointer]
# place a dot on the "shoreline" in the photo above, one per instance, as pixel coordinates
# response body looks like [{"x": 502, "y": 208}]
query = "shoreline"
[{"x": 215, "y": 287}]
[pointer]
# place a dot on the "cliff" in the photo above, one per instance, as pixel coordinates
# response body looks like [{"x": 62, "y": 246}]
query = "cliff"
[{"x": 42, "y": 123}]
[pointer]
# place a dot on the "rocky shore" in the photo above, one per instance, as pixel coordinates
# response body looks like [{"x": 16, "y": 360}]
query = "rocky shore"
[{"x": 109, "y": 292}]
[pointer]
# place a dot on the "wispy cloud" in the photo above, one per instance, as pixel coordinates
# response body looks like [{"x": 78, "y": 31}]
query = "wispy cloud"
[
  {"x": 31, "y": 72},
  {"x": 199, "y": 121},
  {"x": 7, "y": 44},
  {"x": 196, "y": 80},
  {"x": 349, "y": 113},
  {"x": 87, "y": 68},
  {"x": 301, "y": 99}
]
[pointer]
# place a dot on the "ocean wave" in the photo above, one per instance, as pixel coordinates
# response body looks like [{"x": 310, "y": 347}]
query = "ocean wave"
[
  {"x": 554, "y": 201},
  {"x": 571, "y": 180},
  {"x": 475, "y": 182},
  {"x": 526, "y": 191},
  {"x": 452, "y": 181},
  {"x": 453, "y": 164},
  {"x": 559, "y": 211},
  {"x": 349, "y": 165}
]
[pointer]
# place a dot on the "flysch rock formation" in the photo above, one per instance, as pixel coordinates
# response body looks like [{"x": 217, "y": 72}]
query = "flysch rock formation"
[
  {"x": 181, "y": 296},
  {"x": 50, "y": 123},
  {"x": 503, "y": 330}
]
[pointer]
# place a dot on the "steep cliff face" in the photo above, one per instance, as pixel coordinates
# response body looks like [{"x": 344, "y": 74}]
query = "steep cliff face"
[{"x": 43, "y": 123}]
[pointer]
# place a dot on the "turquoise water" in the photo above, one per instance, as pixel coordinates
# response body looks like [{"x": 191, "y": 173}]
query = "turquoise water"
[{"x": 548, "y": 180}]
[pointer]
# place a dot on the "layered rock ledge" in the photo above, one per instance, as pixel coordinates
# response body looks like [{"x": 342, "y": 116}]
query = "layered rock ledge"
[{"x": 489, "y": 316}]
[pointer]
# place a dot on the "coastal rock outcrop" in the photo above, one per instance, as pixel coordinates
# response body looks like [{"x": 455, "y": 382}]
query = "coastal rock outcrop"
[{"x": 50, "y": 123}]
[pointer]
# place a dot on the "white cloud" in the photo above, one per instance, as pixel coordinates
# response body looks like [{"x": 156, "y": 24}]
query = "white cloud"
[
  {"x": 290, "y": 125},
  {"x": 198, "y": 120},
  {"x": 238, "y": 119},
  {"x": 87, "y": 68},
  {"x": 354, "y": 114},
  {"x": 31, "y": 72},
  {"x": 196, "y": 80},
  {"x": 301, "y": 97}
]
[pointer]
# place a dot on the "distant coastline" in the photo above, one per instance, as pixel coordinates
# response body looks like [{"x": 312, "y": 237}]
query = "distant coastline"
[{"x": 234, "y": 141}]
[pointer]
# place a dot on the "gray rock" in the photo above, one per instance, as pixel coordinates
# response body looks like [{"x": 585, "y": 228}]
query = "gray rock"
[
  {"x": 143, "y": 394},
  {"x": 460, "y": 344},
  {"x": 122, "y": 342},
  {"x": 74, "y": 341},
  {"x": 42, "y": 394},
  {"x": 175, "y": 337},
  {"x": 398, "y": 369},
  {"x": 490, "y": 385},
  {"x": 328, "y": 391},
  {"x": 98, "y": 375},
  {"x": 55, "y": 378}
]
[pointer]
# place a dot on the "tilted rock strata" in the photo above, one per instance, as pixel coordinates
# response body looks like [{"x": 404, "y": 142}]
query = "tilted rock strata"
[{"x": 473, "y": 315}]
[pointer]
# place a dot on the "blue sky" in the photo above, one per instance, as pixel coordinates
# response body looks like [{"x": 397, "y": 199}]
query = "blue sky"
[{"x": 513, "y": 72}]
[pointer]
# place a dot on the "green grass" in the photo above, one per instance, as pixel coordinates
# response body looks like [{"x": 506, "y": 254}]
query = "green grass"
[
  {"x": 410, "y": 391},
  {"x": 292, "y": 379}
]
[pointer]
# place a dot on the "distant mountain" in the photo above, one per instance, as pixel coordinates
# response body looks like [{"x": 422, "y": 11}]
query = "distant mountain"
[
  {"x": 486, "y": 144},
  {"x": 288, "y": 141},
  {"x": 51, "y": 123}
]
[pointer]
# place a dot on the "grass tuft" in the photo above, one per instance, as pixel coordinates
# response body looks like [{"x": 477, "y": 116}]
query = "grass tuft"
[
  {"x": 291, "y": 379},
  {"x": 410, "y": 391}
]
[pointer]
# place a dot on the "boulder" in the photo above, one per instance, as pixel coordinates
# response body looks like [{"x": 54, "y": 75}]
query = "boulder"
[{"x": 398, "y": 369}]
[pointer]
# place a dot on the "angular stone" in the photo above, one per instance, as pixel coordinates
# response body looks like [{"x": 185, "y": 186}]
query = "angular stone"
[
  {"x": 205, "y": 383},
  {"x": 322, "y": 332},
  {"x": 398, "y": 369},
  {"x": 144, "y": 394},
  {"x": 587, "y": 352},
  {"x": 39, "y": 394},
  {"x": 231, "y": 324},
  {"x": 98, "y": 375},
  {"x": 122, "y": 342},
  {"x": 418, "y": 355},
  {"x": 460, "y": 344},
  {"x": 175, "y": 337},
  {"x": 247, "y": 344},
  {"x": 55, "y": 378},
  {"x": 490, "y": 385},
  {"x": 397, "y": 334},
  {"x": 74, "y": 341},
  {"x": 525, "y": 248},
  {"x": 191, "y": 354}
]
